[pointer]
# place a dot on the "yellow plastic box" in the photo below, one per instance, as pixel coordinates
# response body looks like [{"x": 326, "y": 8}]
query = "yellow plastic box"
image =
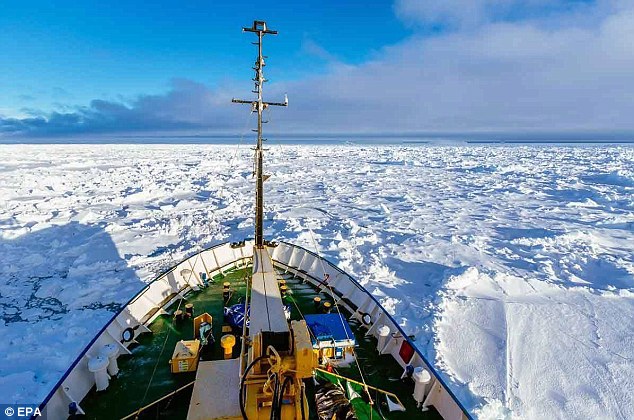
[{"x": 185, "y": 356}]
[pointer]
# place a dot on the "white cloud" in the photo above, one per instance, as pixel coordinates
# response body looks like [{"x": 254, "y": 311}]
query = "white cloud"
[
  {"x": 473, "y": 13},
  {"x": 453, "y": 12},
  {"x": 499, "y": 76},
  {"x": 571, "y": 74}
]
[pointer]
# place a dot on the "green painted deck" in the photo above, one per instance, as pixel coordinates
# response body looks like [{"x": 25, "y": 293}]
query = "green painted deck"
[{"x": 126, "y": 392}]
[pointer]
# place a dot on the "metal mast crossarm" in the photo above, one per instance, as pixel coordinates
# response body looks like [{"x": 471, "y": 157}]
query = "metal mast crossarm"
[{"x": 259, "y": 28}]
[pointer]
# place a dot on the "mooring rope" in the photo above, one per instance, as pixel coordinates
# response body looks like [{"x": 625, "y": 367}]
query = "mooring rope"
[{"x": 334, "y": 299}]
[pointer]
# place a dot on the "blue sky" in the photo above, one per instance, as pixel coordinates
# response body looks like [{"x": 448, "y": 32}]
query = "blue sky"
[
  {"x": 414, "y": 66},
  {"x": 73, "y": 52}
]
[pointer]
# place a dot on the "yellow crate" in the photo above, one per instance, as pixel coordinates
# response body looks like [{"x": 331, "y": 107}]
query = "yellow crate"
[{"x": 185, "y": 356}]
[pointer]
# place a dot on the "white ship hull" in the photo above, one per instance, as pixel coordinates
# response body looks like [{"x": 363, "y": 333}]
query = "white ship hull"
[{"x": 150, "y": 302}]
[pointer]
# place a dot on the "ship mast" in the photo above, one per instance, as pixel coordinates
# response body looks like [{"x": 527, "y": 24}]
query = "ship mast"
[{"x": 259, "y": 28}]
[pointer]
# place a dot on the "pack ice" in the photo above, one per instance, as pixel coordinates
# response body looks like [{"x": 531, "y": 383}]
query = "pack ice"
[{"x": 512, "y": 266}]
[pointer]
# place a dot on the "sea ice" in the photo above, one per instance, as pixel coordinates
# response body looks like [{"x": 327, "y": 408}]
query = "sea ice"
[{"x": 512, "y": 266}]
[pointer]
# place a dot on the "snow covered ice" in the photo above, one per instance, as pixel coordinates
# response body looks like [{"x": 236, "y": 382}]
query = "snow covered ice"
[{"x": 512, "y": 266}]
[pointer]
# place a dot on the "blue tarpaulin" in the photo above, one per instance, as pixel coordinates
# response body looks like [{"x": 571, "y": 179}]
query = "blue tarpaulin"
[
  {"x": 235, "y": 315},
  {"x": 329, "y": 327}
]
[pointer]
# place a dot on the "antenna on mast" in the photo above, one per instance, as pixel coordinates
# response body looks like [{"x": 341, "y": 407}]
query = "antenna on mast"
[{"x": 259, "y": 28}]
